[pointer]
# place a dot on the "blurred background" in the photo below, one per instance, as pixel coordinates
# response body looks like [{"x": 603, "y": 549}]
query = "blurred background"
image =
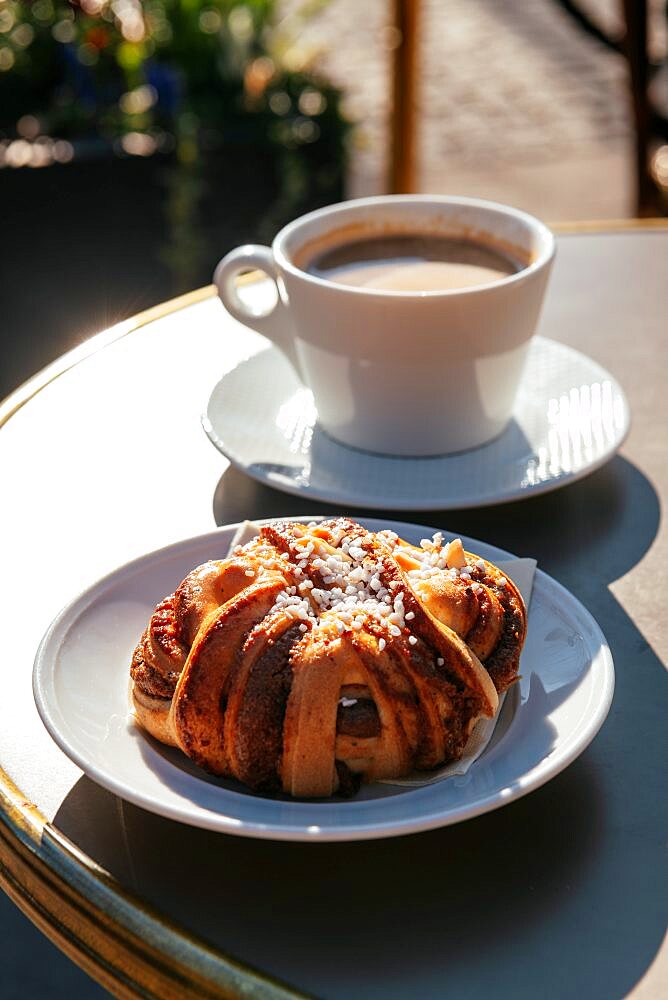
[{"x": 140, "y": 141}]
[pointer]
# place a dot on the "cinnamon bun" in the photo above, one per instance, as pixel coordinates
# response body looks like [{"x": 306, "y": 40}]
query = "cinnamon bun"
[{"x": 318, "y": 656}]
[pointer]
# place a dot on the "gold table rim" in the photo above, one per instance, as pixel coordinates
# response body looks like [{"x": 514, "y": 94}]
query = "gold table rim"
[
  {"x": 122, "y": 942},
  {"x": 69, "y": 897}
]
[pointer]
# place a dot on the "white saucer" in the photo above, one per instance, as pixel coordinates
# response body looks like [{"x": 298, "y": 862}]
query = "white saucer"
[
  {"x": 570, "y": 417},
  {"x": 81, "y": 685}
]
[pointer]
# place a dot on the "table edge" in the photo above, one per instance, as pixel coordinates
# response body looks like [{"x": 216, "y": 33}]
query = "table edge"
[
  {"x": 23, "y": 393},
  {"x": 604, "y": 227},
  {"x": 123, "y": 943}
]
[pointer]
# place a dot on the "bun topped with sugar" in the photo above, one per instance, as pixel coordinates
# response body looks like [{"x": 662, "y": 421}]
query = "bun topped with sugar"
[{"x": 318, "y": 656}]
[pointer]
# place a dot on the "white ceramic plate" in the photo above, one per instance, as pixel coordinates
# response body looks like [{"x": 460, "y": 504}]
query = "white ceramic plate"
[
  {"x": 570, "y": 417},
  {"x": 81, "y": 688}
]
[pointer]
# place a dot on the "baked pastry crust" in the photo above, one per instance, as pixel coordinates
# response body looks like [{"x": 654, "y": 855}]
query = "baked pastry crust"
[{"x": 318, "y": 656}]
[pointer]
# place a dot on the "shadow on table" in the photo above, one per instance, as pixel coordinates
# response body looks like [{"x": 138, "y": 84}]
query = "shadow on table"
[
  {"x": 556, "y": 892},
  {"x": 327, "y": 466}
]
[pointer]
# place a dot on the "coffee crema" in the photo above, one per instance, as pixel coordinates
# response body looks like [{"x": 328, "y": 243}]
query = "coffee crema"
[{"x": 412, "y": 263}]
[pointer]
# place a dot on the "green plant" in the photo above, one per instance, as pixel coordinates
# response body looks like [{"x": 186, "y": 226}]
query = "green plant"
[
  {"x": 193, "y": 79},
  {"x": 108, "y": 68}
]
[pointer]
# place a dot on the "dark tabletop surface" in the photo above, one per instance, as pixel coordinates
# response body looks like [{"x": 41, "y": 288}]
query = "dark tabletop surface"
[{"x": 562, "y": 892}]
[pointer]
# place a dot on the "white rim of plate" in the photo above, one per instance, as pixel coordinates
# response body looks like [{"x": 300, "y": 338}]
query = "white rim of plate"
[
  {"x": 47, "y": 705},
  {"x": 344, "y": 496}
]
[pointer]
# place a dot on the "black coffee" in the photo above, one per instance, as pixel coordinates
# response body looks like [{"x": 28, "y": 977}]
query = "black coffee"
[{"x": 413, "y": 263}]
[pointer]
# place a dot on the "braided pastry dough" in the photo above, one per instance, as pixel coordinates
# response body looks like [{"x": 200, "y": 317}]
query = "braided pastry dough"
[{"x": 320, "y": 655}]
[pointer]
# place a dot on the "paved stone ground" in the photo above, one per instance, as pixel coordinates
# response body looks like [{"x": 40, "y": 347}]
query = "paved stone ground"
[{"x": 515, "y": 102}]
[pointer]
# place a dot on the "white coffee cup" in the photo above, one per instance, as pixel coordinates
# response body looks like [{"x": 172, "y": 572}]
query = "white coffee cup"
[{"x": 402, "y": 372}]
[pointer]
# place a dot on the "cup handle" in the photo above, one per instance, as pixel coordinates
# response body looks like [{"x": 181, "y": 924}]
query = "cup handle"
[{"x": 275, "y": 325}]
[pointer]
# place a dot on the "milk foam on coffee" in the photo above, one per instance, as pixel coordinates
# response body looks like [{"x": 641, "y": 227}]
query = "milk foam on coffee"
[{"x": 412, "y": 263}]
